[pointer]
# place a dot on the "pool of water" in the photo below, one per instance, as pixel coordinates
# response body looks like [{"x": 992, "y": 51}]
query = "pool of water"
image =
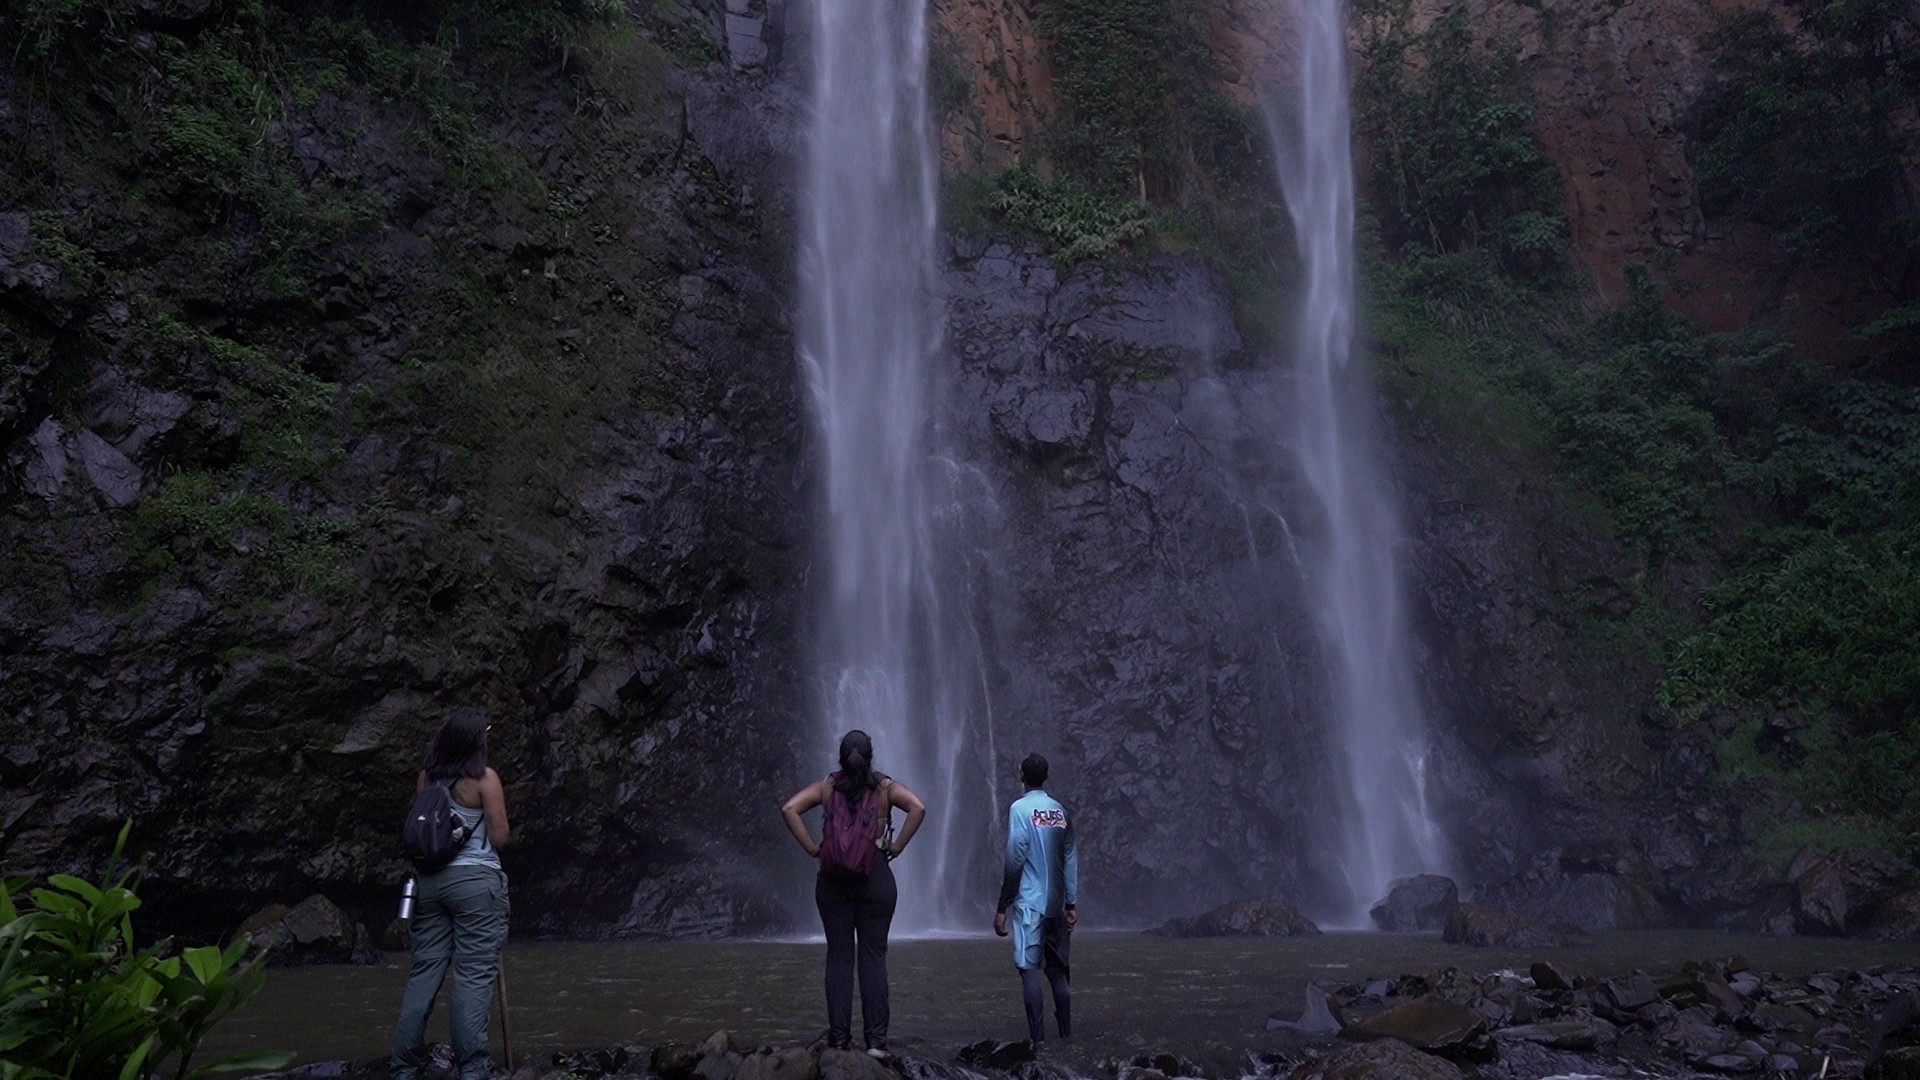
[{"x": 1207, "y": 999}]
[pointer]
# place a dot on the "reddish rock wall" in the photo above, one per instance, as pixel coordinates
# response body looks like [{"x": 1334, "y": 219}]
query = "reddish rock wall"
[{"x": 1612, "y": 83}]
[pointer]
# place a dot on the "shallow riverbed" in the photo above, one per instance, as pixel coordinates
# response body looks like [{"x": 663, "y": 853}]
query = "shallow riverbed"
[{"x": 1208, "y": 999}]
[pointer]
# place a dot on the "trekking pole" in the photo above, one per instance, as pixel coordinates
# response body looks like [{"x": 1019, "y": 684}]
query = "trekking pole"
[{"x": 506, "y": 1033}]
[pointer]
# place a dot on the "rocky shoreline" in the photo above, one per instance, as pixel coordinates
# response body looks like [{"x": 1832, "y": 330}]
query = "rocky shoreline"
[{"x": 1718, "y": 1017}]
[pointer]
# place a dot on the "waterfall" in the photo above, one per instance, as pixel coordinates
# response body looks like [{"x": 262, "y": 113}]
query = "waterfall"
[
  {"x": 1383, "y": 824},
  {"x": 897, "y": 652}
]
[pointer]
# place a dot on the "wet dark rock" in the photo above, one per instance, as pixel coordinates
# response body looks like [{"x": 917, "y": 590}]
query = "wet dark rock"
[
  {"x": 1591, "y": 900},
  {"x": 1474, "y": 924},
  {"x": 1897, "y": 1025},
  {"x": 314, "y": 931},
  {"x": 675, "y": 1061},
  {"x": 116, "y": 478},
  {"x": 1898, "y": 919},
  {"x": 1416, "y": 904},
  {"x": 1429, "y": 1023},
  {"x": 1630, "y": 992},
  {"x": 1387, "y": 1059},
  {"x": 1166, "y": 1064},
  {"x": 1836, "y": 893},
  {"x": 1729, "y": 1063},
  {"x": 1319, "y": 1017},
  {"x": 1587, "y": 1033},
  {"x": 991, "y": 1054},
  {"x": 595, "y": 1062},
  {"x": 1902, "y": 1063},
  {"x": 398, "y": 936},
  {"x": 792, "y": 1063},
  {"x": 720, "y": 1058},
  {"x": 852, "y": 1065},
  {"x": 1242, "y": 918},
  {"x": 1548, "y": 975}
]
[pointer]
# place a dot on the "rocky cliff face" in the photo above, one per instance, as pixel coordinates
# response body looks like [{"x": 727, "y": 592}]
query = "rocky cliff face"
[{"x": 592, "y": 515}]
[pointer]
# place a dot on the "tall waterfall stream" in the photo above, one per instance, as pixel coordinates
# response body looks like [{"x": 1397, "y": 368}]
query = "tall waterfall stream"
[
  {"x": 897, "y": 655},
  {"x": 1386, "y": 829}
]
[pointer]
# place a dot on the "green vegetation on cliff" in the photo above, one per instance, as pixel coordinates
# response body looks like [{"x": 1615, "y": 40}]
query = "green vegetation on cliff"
[{"x": 1793, "y": 488}]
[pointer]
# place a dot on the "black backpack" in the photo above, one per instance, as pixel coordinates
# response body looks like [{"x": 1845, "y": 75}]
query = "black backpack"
[{"x": 433, "y": 834}]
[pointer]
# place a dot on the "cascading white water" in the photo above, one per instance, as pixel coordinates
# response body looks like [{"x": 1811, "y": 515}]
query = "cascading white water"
[
  {"x": 1386, "y": 830},
  {"x": 897, "y": 653}
]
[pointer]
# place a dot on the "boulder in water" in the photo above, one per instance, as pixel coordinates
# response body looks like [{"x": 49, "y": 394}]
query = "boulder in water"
[
  {"x": 1836, "y": 894},
  {"x": 1417, "y": 904},
  {"x": 1897, "y": 920},
  {"x": 720, "y": 1059},
  {"x": 1242, "y": 918},
  {"x": 1474, "y": 924},
  {"x": 675, "y": 1060},
  {"x": 1388, "y": 1059},
  {"x": 314, "y": 931}
]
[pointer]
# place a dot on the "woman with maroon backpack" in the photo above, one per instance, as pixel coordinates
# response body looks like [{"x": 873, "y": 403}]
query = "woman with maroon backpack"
[{"x": 855, "y": 891}]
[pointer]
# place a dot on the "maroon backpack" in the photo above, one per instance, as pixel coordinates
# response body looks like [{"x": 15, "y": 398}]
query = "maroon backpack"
[{"x": 851, "y": 834}]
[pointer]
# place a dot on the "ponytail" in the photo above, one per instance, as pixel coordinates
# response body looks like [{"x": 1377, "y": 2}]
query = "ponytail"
[{"x": 856, "y": 764}]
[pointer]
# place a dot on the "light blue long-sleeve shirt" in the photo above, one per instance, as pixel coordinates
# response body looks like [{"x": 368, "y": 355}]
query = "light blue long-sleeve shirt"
[{"x": 1043, "y": 863}]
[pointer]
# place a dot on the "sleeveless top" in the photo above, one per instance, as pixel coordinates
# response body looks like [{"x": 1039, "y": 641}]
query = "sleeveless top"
[{"x": 479, "y": 849}]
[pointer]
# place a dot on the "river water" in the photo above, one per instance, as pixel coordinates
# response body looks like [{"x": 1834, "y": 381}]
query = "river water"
[{"x": 1208, "y": 999}]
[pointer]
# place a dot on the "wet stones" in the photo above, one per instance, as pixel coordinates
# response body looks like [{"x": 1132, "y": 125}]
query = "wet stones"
[
  {"x": 1417, "y": 904},
  {"x": 1548, "y": 975},
  {"x": 1242, "y": 918},
  {"x": 767, "y": 1063},
  {"x": 1385, "y": 1060},
  {"x": 1580, "y": 1034},
  {"x": 993, "y": 1054},
  {"x": 852, "y": 1065},
  {"x": 1430, "y": 1023},
  {"x": 1632, "y": 991}
]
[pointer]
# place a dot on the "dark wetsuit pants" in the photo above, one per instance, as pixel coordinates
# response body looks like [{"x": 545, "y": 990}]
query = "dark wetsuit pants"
[
  {"x": 1053, "y": 970},
  {"x": 857, "y": 916}
]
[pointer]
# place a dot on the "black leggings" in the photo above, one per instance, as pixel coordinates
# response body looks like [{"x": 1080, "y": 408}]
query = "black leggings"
[{"x": 856, "y": 916}]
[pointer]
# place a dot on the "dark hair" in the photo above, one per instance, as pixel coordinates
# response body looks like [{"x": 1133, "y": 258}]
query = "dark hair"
[
  {"x": 856, "y": 763},
  {"x": 1033, "y": 771},
  {"x": 460, "y": 747}
]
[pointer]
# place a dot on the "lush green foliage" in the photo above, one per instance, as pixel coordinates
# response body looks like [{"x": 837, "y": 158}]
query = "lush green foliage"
[
  {"x": 1810, "y": 130},
  {"x": 80, "y": 1000},
  {"x": 1798, "y": 489},
  {"x": 1074, "y": 222},
  {"x": 1111, "y": 59},
  {"x": 1456, "y": 163}
]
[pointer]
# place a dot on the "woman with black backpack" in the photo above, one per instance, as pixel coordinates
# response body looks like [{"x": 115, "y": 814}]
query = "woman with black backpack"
[
  {"x": 460, "y": 913},
  {"x": 855, "y": 890}
]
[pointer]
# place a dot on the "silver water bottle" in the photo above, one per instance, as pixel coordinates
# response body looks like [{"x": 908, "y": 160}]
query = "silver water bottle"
[{"x": 407, "y": 891}]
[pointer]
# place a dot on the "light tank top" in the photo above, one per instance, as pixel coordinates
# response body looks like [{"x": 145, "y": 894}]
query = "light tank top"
[{"x": 479, "y": 849}]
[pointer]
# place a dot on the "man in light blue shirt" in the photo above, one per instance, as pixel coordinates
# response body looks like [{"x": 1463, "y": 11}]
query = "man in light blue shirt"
[{"x": 1038, "y": 894}]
